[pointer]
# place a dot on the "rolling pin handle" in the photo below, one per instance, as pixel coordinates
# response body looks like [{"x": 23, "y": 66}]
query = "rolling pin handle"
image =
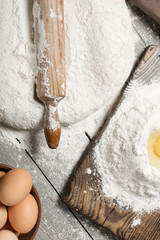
[{"x": 52, "y": 128}]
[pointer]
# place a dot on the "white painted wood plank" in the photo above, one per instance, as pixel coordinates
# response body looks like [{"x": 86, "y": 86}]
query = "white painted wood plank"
[
  {"x": 58, "y": 164},
  {"x": 57, "y": 221}
]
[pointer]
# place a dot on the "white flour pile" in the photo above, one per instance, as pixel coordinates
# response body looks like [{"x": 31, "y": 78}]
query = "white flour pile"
[
  {"x": 121, "y": 156},
  {"x": 99, "y": 58},
  {"x": 18, "y": 108}
]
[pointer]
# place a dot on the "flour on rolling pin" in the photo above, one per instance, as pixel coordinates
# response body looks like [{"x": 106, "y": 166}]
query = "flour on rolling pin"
[
  {"x": 49, "y": 39},
  {"x": 50, "y": 121}
]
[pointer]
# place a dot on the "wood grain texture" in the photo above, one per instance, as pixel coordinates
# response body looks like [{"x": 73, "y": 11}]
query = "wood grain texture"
[
  {"x": 151, "y": 7},
  {"x": 83, "y": 191},
  {"x": 51, "y": 85},
  {"x": 50, "y": 50}
]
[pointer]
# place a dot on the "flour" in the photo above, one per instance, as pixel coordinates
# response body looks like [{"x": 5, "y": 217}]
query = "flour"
[
  {"x": 99, "y": 58},
  {"x": 51, "y": 117},
  {"x": 18, "y": 108},
  {"x": 88, "y": 171},
  {"x": 121, "y": 156},
  {"x": 136, "y": 222}
]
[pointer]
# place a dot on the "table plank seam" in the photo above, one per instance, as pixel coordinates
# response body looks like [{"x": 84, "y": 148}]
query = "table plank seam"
[{"x": 29, "y": 155}]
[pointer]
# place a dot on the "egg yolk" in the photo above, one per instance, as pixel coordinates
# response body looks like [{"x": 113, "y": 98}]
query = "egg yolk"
[
  {"x": 157, "y": 147},
  {"x": 153, "y": 148}
]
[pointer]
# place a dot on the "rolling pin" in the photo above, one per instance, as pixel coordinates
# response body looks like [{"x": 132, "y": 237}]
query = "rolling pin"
[
  {"x": 49, "y": 40},
  {"x": 150, "y": 7}
]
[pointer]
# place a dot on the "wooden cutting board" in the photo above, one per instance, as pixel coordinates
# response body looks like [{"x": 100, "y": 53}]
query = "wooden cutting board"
[{"x": 83, "y": 192}]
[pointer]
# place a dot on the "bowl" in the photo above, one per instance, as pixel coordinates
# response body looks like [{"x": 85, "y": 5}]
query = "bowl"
[{"x": 31, "y": 235}]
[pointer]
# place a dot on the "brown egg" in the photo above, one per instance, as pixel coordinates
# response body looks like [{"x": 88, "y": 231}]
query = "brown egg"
[
  {"x": 2, "y": 174},
  {"x": 8, "y": 226},
  {"x": 7, "y": 235},
  {"x": 24, "y": 215},
  {"x": 15, "y": 186},
  {"x": 3, "y": 215}
]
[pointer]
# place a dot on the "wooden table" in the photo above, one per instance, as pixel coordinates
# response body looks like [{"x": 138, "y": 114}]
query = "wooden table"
[{"x": 50, "y": 169}]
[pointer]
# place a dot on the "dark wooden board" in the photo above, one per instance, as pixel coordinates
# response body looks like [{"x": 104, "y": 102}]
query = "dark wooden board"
[{"x": 83, "y": 191}]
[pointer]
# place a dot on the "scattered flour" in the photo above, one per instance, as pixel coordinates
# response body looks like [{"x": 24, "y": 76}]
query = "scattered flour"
[
  {"x": 136, "y": 222},
  {"x": 121, "y": 156},
  {"x": 99, "y": 58},
  {"x": 88, "y": 171}
]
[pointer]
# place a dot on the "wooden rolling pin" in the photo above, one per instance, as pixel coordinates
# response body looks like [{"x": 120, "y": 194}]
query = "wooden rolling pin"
[
  {"x": 150, "y": 7},
  {"x": 51, "y": 86}
]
